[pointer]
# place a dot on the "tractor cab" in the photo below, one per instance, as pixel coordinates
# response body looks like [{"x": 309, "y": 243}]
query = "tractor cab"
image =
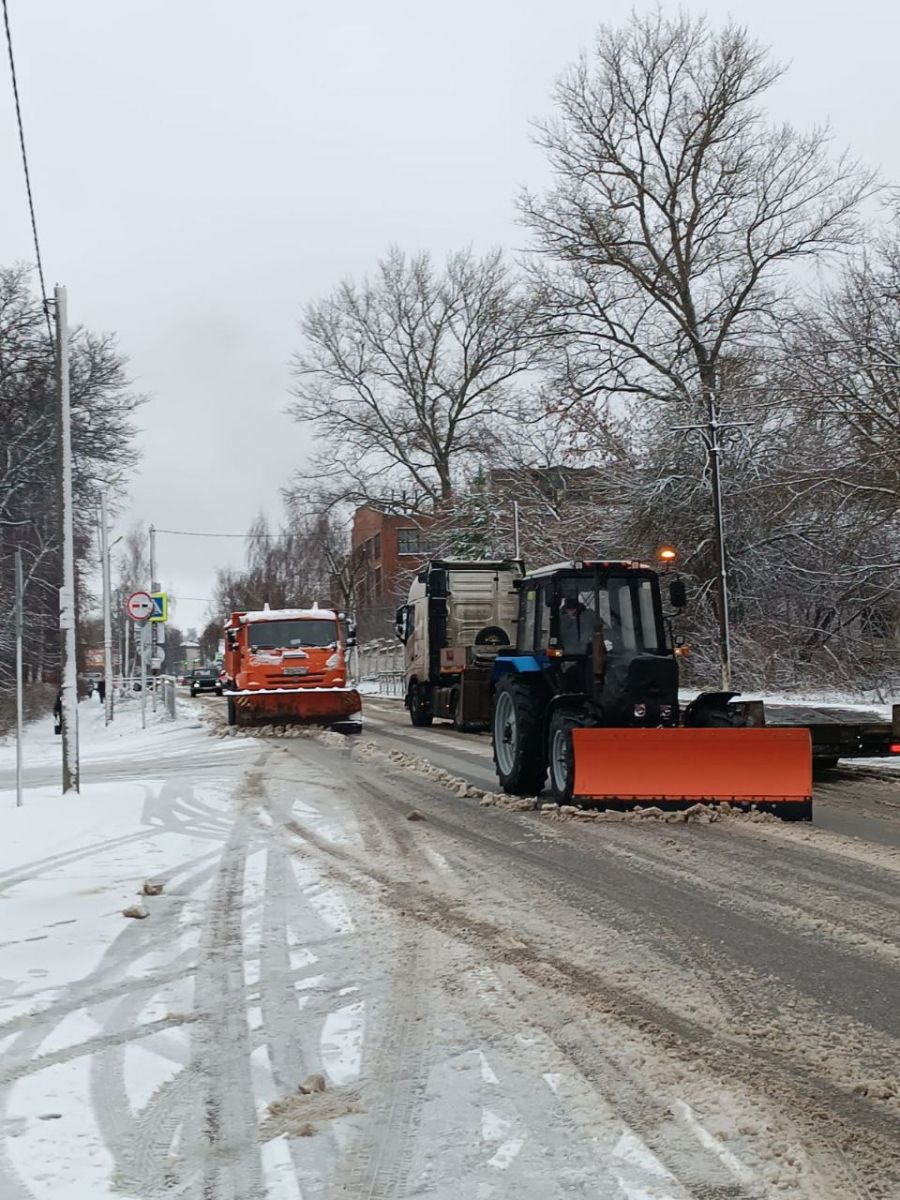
[{"x": 596, "y": 630}]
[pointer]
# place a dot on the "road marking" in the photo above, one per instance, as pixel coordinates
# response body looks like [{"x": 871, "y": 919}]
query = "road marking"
[
  {"x": 487, "y": 1071},
  {"x": 706, "y": 1139},
  {"x": 495, "y": 1128},
  {"x": 437, "y": 860},
  {"x": 341, "y": 1043},
  {"x": 279, "y": 1174}
]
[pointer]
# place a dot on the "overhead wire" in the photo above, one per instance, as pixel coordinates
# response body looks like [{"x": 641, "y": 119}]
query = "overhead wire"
[
  {"x": 245, "y": 536},
  {"x": 34, "y": 230}
]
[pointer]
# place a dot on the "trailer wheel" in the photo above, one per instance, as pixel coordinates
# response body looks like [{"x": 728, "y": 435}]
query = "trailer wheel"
[
  {"x": 824, "y": 764},
  {"x": 560, "y": 752},
  {"x": 516, "y": 737},
  {"x": 418, "y": 701}
]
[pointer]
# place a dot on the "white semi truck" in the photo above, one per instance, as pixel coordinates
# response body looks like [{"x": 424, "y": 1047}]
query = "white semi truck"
[{"x": 458, "y": 615}]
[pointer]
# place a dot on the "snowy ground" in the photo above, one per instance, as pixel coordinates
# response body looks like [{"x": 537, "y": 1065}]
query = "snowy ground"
[{"x": 479, "y": 1004}]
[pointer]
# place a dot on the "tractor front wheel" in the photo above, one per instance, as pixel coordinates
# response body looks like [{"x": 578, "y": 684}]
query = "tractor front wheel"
[
  {"x": 516, "y": 736},
  {"x": 562, "y": 756}
]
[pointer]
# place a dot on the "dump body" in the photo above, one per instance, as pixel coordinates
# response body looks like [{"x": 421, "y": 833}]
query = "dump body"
[
  {"x": 288, "y": 666},
  {"x": 459, "y": 615}
]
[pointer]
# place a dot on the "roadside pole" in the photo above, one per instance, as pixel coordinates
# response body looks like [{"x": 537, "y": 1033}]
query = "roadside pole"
[
  {"x": 154, "y": 587},
  {"x": 107, "y": 615},
  {"x": 68, "y": 648},
  {"x": 516, "y": 527},
  {"x": 20, "y": 605},
  {"x": 145, "y": 650},
  {"x": 139, "y": 608}
]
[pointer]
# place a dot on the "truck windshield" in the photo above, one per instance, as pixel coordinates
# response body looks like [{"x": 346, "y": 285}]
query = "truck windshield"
[{"x": 285, "y": 635}]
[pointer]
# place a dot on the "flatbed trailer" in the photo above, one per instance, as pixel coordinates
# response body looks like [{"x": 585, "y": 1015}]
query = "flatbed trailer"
[{"x": 840, "y": 732}]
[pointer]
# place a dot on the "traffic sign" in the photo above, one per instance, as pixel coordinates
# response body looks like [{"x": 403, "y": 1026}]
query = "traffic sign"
[
  {"x": 160, "y": 606},
  {"x": 139, "y": 606}
]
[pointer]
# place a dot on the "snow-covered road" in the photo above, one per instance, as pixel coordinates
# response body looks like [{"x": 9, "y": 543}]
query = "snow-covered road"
[{"x": 330, "y": 999}]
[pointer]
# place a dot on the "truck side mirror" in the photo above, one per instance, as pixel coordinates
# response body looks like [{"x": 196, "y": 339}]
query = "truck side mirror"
[
  {"x": 351, "y": 633},
  {"x": 400, "y": 623},
  {"x": 677, "y": 593}
]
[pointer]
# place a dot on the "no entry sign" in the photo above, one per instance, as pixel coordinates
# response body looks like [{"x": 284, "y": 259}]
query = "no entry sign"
[{"x": 140, "y": 606}]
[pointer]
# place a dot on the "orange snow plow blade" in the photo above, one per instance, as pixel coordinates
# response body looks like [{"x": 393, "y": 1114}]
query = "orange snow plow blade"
[
  {"x": 675, "y": 768},
  {"x": 337, "y": 708}
]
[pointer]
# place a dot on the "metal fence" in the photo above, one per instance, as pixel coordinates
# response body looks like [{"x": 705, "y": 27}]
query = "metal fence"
[{"x": 380, "y": 663}]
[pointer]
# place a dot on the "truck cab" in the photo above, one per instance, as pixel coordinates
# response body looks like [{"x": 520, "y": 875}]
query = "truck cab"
[
  {"x": 459, "y": 614},
  {"x": 285, "y": 649}
]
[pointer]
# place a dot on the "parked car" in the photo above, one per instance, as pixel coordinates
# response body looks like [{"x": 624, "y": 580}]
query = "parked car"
[{"x": 205, "y": 679}]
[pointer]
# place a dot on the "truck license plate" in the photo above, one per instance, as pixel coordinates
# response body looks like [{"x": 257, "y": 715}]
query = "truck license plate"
[{"x": 296, "y": 670}]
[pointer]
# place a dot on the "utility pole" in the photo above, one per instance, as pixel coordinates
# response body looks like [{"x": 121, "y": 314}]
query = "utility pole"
[
  {"x": 154, "y": 587},
  {"x": 715, "y": 448},
  {"x": 68, "y": 647},
  {"x": 144, "y": 640},
  {"x": 107, "y": 614},
  {"x": 20, "y": 606}
]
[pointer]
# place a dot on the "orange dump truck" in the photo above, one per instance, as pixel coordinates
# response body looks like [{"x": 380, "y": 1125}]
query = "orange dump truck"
[{"x": 289, "y": 666}]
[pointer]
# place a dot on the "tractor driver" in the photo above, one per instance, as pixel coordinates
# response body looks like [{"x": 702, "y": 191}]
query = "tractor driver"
[{"x": 577, "y": 626}]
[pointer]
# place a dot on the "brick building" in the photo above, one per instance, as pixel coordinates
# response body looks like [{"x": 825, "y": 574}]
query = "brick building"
[{"x": 387, "y": 551}]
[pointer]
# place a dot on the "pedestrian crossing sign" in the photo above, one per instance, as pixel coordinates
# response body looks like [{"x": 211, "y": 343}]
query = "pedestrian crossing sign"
[{"x": 160, "y": 606}]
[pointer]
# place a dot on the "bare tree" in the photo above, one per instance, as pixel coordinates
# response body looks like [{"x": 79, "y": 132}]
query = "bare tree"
[
  {"x": 404, "y": 375},
  {"x": 103, "y": 442},
  {"x": 676, "y": 215}
]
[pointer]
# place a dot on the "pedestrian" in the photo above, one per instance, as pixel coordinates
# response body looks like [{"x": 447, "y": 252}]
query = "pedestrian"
[
  {"x": 101, "y": 690},
  {"x": 577, "y": 626},
  {"x": 57, "y": 713}
]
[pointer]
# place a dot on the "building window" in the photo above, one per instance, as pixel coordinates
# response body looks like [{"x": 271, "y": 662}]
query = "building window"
[
  {"x": 410, "y": 541},
  {"x": 376, "y": 583},
  {"x": 376, "y": 547}
]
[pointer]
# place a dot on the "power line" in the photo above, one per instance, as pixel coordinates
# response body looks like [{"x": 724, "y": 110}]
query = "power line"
[
  {"x": 245, "y": 536},
  {"x": 37, "y": 245}
]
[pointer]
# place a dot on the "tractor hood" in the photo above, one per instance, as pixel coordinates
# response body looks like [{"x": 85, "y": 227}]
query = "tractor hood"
[{"x": 633, "y": 678}]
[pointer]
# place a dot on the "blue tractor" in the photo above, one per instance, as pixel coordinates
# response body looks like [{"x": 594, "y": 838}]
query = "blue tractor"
[{"x": 590, "y": 695}]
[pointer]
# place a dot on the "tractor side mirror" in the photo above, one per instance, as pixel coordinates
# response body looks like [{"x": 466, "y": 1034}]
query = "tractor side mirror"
[{"x": 677, "y": 593}]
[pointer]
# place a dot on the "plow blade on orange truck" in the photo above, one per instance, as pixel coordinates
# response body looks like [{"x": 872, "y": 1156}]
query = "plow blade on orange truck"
[
  {"x": 331, "y": 708},
  {"x": 769, "y": 769}
]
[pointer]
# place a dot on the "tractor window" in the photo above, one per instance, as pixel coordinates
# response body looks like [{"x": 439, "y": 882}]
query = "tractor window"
[
  {"x": 583, "y": 611},
  {"x": 545, "y": 612},
  {"x": 634, "y": 615},
  {"x": 526, "y": 622}
]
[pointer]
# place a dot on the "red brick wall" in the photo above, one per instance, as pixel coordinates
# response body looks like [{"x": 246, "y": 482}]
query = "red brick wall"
[{"x": 384, "y": 572}]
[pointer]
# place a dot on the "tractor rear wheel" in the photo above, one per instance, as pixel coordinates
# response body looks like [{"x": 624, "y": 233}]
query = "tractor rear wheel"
[
  {"x": 561, "y": 754},
  {"x": 516, "y": 736}
]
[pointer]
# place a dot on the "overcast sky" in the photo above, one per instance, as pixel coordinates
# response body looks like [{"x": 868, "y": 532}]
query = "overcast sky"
[{"x": 202, "y": 169}]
